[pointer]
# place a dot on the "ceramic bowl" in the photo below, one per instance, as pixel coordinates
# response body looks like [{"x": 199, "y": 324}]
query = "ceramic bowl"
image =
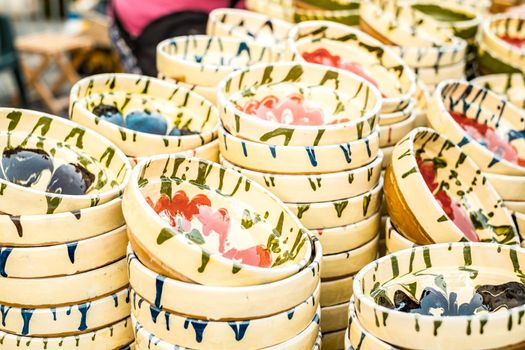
[
  {"x": 209, "y": 93},
  {"x": 343, "y": 238},
  {"x": 387, "y": 152},
  {"x": 316, "y": 188},
  {"x": 348, "y": 211},
  {"x": 64, "y": 259},
  {"x": 331, "y": 106},
  {"x": 510, "y": 188},
  {"x": 336, "y": 291},
  {"x": 298, "y": 159},
  {"x": 505, "y": 121},
  {"x": 347, "y": 17},
  {"x": 416, "y": 38},
  {"x": 205, "y": 59},
  {"x": 334, "y": 340},
  {"x": 68, "y": 319},
  {"x": 259, "y": 241},
  {"x": 66, "y": 167},
  {"x": 399, "y": 116},
  {"x": 416, "y": 212},
  {"x": 219, "y": 303},
  {"x": 378, "y": 63},
  {"x": 395, "y": 241},
  {"x": 519, "y": 218},
  {"x": 115, "y": 336},
  {"x": 53, "y": 291},
  {"x": 490, "y": 62},
  {"x": 509, "y": 86},
  {"x": 242, "y": 334},
  {"x": 348, "y": 263},
  {"x": 280, "y": 9},
  {"x": 435, "y": 75},
  {"x": 248, "y": 26},
  {"x": 334, "y": 318},
  {"x": 176, "y": 107},
  {"x": 41, "y": 230},
  {"x": 455, "y": 268},
  {"x": 389, "y": 135},
  {"x": 517, "y": 206},
  {"x": 307, "y": 339},
  {"x": 422, "y": 97}
]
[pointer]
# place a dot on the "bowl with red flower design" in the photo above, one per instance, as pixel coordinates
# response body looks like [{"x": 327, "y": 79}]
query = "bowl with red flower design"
[
  {"x": 143, "y": 116},
  {"x": 461, "y": 295},
  {"x": 435, "y": 194},
  {"x": 195, "y": 220},
  {"x": 488, "y": 128},
  {"x": 298, "y": 104},
  {"x": 52, "y": 165},
  {"x": 339, "y": 46}
]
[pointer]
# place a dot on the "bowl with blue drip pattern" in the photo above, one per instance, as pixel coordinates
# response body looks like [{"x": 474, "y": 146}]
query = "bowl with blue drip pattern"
[
  {"x": 143, "y": 116},
  {"x": 298, "y": 104},
  {"x": 487, "y": 127},
  {"x": 507, "y": 85},
  {"x": 455, "y": 295},
  {"x": 207, "y": 214},
  {"x": 52, "y": 165}
]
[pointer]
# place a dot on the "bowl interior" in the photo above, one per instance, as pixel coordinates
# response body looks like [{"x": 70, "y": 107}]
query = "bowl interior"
[
  {"x": 223, "y": 212},
  {"x": 511, "y": 30},
  {"x": 443, "y": 13}
]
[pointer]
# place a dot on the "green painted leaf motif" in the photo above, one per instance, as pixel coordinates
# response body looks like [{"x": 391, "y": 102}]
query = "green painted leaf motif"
[
  {"x": 164, "y": 235},
  {"x": 195, "y": 236}
]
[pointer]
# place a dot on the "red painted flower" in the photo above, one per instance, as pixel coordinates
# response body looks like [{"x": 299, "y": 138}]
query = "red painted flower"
[
  {"x": 254, "y": 256},
  {"x": 518, "y": 42},
  {"x": 215, "y": 221},
  {"x": 179, "y": 205}
]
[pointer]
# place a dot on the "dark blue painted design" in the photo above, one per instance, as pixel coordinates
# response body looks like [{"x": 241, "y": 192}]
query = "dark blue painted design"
[
  {"x": 493, "y": 162},
  {"x": 290, "y": 314},
  {"x": 273, "y": 150},
  {"x": 316, "y": 319},
  {"x": 26, "y": 317},
  {"x": 239, "y": 328},
  {"x": 4, "y": 254},
  {"x": 71, "y": 249},
  {"x": 54, "y": 312},
  {"x": 83, "y": 309},
  {"x": 463, "y": 141},
  {"x": 347, "y": 152},
  {"x": 243, "y": 47},
  {"x": 167, "y": 318},
  {"x": 311, "y": 154},
  {"x": 244, "y": 150},
  {"x": 159, "y": 286},
  {"x": 154, "y": 311},
  {"x": 68, "y": 311},
  {"x": 4, "y": 310},
  {"x": 368, "y": 150},
  {"x": 198, "y": 326},
  {"x": 115, "y": 299},
  {"x": 516, "y": 135}
]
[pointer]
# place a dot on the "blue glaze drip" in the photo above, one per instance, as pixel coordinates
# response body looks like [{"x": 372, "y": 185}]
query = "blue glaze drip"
[
  {"x": 347, "y": 152},
  {"x": 242, "y": 48},
  {"x": 115, "y": 299},
  {"x": 26, "y": 317},
  {"x": 463, "y": 141},
  {"x": 127, "y": 296},
  {"x": 159, "y": 285},
  {"x": 290, "y": 314},
  {"x": 4, "y": 254},
  {"x": 368, "y": 150},
  {"x": 244, "y": 150},
  {"x": 316, "y": 318},
  {"x": 4, "y": 310},
  {"x": 311, "y": 154},
  {"x": 493, "y": 162},
  {"x": 516, "y": 135},
  {"x": 199, "y": 327},
  {"x": 71, "y": 249},
  {"x": 273, "y": 151},
  {"x": 198, "y": 58},
  {"x": 68, "y": 311},
  {"x": 154, "y": 313},
  {"x": 83, "y": 309},
  {"x": 54, "y": 312},
  {"x": 167, "y": 318},
  {"x": 239, "y": 328}
]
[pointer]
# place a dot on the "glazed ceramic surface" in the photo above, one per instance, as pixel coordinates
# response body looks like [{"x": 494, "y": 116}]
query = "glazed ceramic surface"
[
  {"x": 353, "y": 50},
  {"x": 63, "y": 259},
  {"x": 115, "y": 336},
  {"x": 66, "y": 320},
  {"x": 298, "y": 104},
  {"x": 281, "y": 9},
  {"x": 243, "y": 334},
  {"x": 205, "y": 60},
  {"x": 317, "y": 188},
  {"x": 397, "y": 117},
  {"x": 389, "y": 135},
  {"x": 41, "y": 230},
  {"x": 479, "y": 121},
  {"x": 422, "y": 97},
  {"x": 334, "y": 340},
  {"x": 510, "y": 86},
  {"x": 207, "y": 214},
  {"x": 298, "y": 159},
  {"x": 517, "y": 206},
  {"x": 510, "y": 188},
  {"x": 348, "y": 263},
  {"x": 395, "y": 241},
  {"x": 209, "y": 93},
  {"x": 334, "y": 318},
  {"x": 433, "y": 76},
  {"x": 54, "y": 291},
  {"x": 453, "y": 271},
  {"x": 348, "y": 211},
  {"x": 387, "y": 152},
  {"x": 218, "y": 303},
  {"x": 151, "y": 112},
  {"x": 52, "y": 165},
  {"x": 336, "y": 291},
  {"x": 348, "y": 17}
]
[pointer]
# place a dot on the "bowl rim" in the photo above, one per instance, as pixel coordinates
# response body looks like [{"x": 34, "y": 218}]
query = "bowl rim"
[
  {"x": 228, "y": 105},
  {"x": 476, "y": 19},
  {"x": 486, "y": 26}
]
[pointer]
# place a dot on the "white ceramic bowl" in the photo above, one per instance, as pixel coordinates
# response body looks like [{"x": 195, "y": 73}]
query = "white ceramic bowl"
[
  {"x": 510, "y": 86},
  {"x": 510, "y": 188},
  {"x": 433, "y": 76},
  {"x": 209, "y": 93},
  {"x": 336, "y": 291},
  {"x": 517, "y": 206},
  {"x": 389, "y": 135},
  {"x": 358, "y": 337},
  {"x": 397, "y": 117},
  {"x": 395, "y": 241}
]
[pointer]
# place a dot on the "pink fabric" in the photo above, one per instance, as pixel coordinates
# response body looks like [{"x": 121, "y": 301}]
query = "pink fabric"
[{"x": 135, "y": 15}]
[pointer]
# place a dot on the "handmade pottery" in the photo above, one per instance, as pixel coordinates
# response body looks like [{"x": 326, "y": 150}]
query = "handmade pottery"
[
  {"x": 207, "y": 198},
  {"x": 348, "y": 17},
  {"x": 348, "y": 211},
  {"x": 280, "y": 9},
  {"x": 334, "y": 340},
  {"x": 348, "y": 263},
  {"x": 334, "y": 318},
  {"x": 166, "y": 110},
  {"x": 298, "y": 159},
  {"x": 461, "y": 278},
  {"x": 63, "y": 259},
  {"x": 435, "y": 75},
  {"x": 209, "y": 93},
  {"x": 205, "y": 60},
  {"x": 316, "y": 188},
  {"x": 519, "y": 218},
  {"x": 387, "y": 152},
  {"x": 517, "y": 206},
  {"x": 422, "y": 98},
  {"x": 395, "y": 241},
  {"x": 52, "y": 165},
  {"x": 298, "y": 104},
  {"x": 336, "y": 291},
  {"x": 389, "y": 135},
  {"x": 509, "y": 86},
  {"x": 328, "y": 4},
  {"x": 53, "y": 291},
  {"x": 456, "y": 102},
  {"x": 489, "y": 62},
  {"x": 68, "y": 319},
  {"x": 318, "y": 41},
  {"x": 510, "y": 188},
  {"x": 43, "y": 230},
  {"x": 243, "y": 334},
  {"x": 471, "y": 208},
  {"x": 115, "y": 336},
  {"x": 399, "y": 116},
  {"x": 343, "y": 238}
]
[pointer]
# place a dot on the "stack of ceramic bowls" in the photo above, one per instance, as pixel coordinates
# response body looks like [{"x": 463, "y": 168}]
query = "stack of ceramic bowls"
[
  {"x": 431, "y": 50},
  {"x": 216, "y": 261},
  {"x": 62, "y": 236},
  {"x": 200, "y": 62},
  {"x": 146, "y": 116},
  {"x": 325, "y": 166},
  {"x": 442, "y": 296},
  {"x": 510, "y": 86},
  {"x": 501, "y": 43}
]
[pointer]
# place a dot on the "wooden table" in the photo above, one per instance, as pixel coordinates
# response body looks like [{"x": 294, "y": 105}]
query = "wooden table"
[{"x": 53, "y": 48}]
